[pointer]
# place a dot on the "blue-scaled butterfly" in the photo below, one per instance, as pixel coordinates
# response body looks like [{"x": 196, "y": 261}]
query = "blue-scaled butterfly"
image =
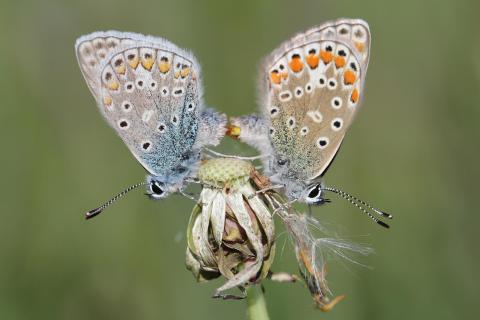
[
  {"x": 150, "y": 92},
  {"x": 311, "y": 87}
]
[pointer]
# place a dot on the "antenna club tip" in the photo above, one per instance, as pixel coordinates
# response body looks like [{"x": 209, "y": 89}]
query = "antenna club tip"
[
  {"x": 383, "y": 224},
  {"x": 92, "y": 213},
  {"x": 388, "y": 215}
]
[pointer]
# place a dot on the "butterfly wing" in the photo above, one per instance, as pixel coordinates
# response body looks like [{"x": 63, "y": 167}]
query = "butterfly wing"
[
  {"x": 149, "y": 91},
  {"x": 310, "y": 89}
]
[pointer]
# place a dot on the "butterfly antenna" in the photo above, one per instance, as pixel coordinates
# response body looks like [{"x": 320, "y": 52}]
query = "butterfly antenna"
[
  {"x": 356, "y": 202},
  {"x": 92, "y": 213}
]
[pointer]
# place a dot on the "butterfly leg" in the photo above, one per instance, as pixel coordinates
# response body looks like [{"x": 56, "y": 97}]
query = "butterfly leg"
[
  {"x": 265, "y": 190},
  {"x": 189, "y": 196}
]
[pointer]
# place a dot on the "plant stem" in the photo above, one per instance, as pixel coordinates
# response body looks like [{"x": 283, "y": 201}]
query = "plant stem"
[{"x": 256, "y": 306}]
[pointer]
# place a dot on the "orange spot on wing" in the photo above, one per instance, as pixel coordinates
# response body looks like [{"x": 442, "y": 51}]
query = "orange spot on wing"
[
  {"x": 164, "y": 67},
  {"x": 354, "y": 96},
  {"x": 185, "y": 72},
  {"x": 120, "y": 69},
  {"x": 349, "y": 77},
  {"x": 107, "y": 101},
  {"x": 284, "y": 75},
  {"x": 147, "y": 63},
  {"x": 360, "y": 46},
  {"x": 312, "y": 60},
  {"x": 275, "y": 77},
  {"x": 339, "y": 61},
  {"x": 113, "y": 85},
  {"x": 326, "y": 56},
  {"x": 296, "y": 64},
  {"x": 133, "y": 63}
]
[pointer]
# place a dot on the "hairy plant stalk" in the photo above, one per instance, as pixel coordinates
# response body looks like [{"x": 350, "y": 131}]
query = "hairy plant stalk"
[{"x": 256, "y": 306}]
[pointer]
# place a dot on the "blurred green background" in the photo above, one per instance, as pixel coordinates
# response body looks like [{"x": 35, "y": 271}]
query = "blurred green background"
[{"x": 413, "y": 150}]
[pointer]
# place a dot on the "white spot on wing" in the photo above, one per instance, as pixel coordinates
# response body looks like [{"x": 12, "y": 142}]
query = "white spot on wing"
[
  {"x": 291, "y": 122},
  {"x": 178, "y": 91},
  {"x": 308, "y": 87},
  {"x": 316, "y": 116},
  {"x": 359, "y": 33},
  {"x": 285, "y": 96},
  {"x": 304, "y": 131},
  {"x": 127, "y": 106},
  {"x": 123, "y": 124},
  {"x": 147, "y": 115},
  {"x": 322, "y": 142},
  {"x": 273, "y": 112},
  {"x": 146, "y": 145},
  {"x": 298, "y": 92},
  {"x": 336, "y": 102},
  {"x": 337, "y": 124},
  {"x": 165, "y": 91},
  {"x": 332, "y": 83},
  {"x": 129, "y": 87}
]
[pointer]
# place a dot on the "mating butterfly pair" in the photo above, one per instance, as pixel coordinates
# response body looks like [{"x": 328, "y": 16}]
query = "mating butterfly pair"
[{"x": 150, "y": 92}]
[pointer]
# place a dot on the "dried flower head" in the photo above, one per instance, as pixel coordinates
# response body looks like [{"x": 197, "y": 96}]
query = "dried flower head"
[{"x": 231, "y": 231}]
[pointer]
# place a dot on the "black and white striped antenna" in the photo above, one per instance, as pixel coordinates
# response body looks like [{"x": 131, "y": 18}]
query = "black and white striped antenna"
[
  {"x": 92, "y": 213},
  {"x": 360, "y": 204}
]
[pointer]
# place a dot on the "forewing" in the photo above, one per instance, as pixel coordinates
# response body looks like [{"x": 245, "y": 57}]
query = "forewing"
[
  {"x": 311, "y": 89},
  {"x": 149, "y": 91}
]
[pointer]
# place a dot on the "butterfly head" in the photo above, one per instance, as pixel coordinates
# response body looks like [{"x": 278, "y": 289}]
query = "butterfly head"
[
  {"x": 159, "y": 187},
  {"x": 305, "y": 192}
]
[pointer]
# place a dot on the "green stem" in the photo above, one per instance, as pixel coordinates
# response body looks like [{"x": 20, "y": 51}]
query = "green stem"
[{"x": 256, "y": 306}]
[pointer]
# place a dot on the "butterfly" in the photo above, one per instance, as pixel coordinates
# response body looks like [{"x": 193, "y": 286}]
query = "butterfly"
[
  {"x": 311, "y": 88},
  {"x": 150, "y": 92}
]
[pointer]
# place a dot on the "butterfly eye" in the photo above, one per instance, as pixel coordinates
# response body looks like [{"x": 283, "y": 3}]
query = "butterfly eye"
[
  {"x": 156, "y": 189},
  {"x": 314, "y": 195}
]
